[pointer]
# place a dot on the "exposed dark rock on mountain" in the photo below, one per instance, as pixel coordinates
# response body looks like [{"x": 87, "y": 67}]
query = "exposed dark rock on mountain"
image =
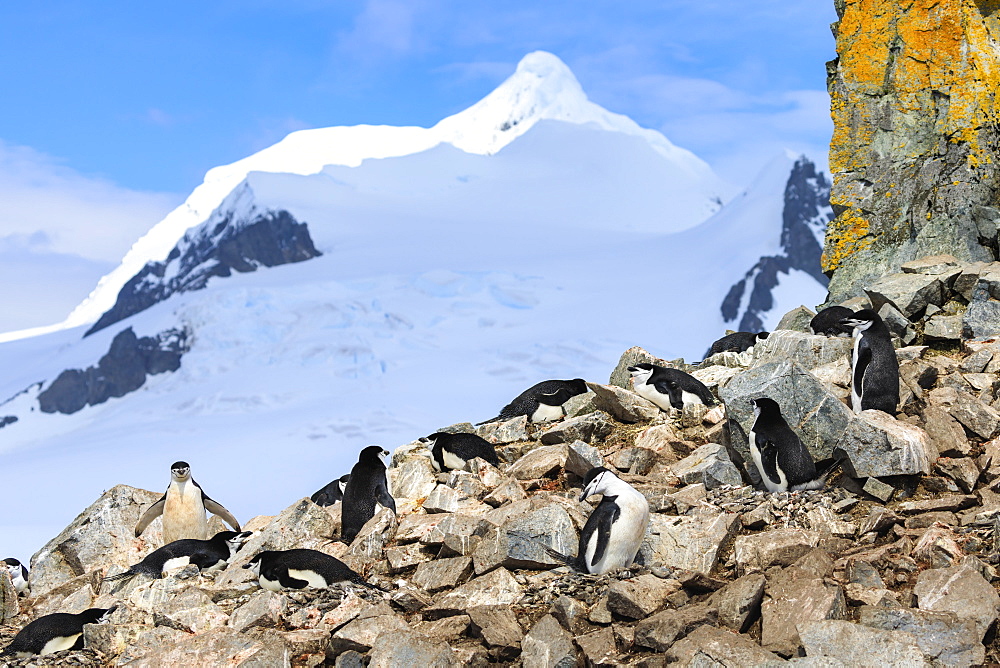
[
  {"x": 122, "y": 370},
  {"x": 6, "y": 420},
  {"x": 804, "y": 217},
  {"x": 227, "y": 242}
]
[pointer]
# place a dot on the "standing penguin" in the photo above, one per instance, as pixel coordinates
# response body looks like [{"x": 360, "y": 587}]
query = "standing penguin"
[
  {"x": 542, "y": 401},
  {"x": 332, "y": 493},
  {"x": 669, "y": 388},
  {"x": 737, "y": 342},
  {"x": 366, "y": 485},
  {"x": 208, "y": 555},
  {"x": 781, "y": 457},
  {"x": 18, "y": 574},
  {"x": 301, "y": 568},
  {"x": 54, "y": 633},
  {"x": 829, "y": 321},
  {"x": 874, "y": 366},
  {"x": 454, "y": 451},
  {"x": 183, "y": 508}
]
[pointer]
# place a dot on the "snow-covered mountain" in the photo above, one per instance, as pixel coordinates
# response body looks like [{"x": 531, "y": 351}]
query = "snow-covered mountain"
[{"x": 350, "y": 286}]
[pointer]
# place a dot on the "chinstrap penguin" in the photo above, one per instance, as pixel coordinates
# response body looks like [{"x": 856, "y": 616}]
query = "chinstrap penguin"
[
  {"x": 614, "y": 531},
  {"x": 542, "y": 401},
  {"x": 782, "y": 459},
  {"x": 54, "y": 633},
  {"x": 874, "y": 366},
  {"x": 208, "y": 555},
  {"x": 669, "y": 388},
  {"x": 18, "y": 574},
  {"x": 829, "y": 321},
  {"x": 332, "y": 493},
  {"x": 183, "y": 508},
  {"x": 453, "y": 451},
  {"x": 737, "y": 342},
  {"x": 366, "y": 486},
  {"x": 300, "y": 568}
]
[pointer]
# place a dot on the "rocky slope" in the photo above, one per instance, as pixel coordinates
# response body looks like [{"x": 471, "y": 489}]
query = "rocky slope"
[
  {"x": 898, "y": 554},
  {"x": 913, "y": 154}
]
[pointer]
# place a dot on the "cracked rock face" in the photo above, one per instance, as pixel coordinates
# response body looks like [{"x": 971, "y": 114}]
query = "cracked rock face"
[{"x": 913, "y": 97}]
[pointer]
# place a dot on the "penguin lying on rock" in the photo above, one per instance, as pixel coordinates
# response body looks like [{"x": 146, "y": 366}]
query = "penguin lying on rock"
[
  {"x": 737, "y": 342},
  {"x": 300, "y": 568},
  {"x": 454, "y": 451},
  {"x": 669, "y": 388},
  {"x": 208, "y": 555},
  {"x": 18, "y": 575},
  {"x": 542, "y": 401},
  {"x": 54, "y": 633},
  {"x": 829, "y": 321},
  {"x": 613, "y": 533},
  {"x": 332, "y": 493},
  {"x": 183, "y": 508},
  {"x": 366, "y": 486}
]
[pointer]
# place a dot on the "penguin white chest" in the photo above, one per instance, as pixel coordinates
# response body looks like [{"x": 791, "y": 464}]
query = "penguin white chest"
[
  {"x": 649, "y": 392},
  {"x": 546, "y": 413},
  {"x": 451, "y": 460},
  {"x": 689, "y": 399},
  {"x": 184, "y": 513},
  {"x": 270, "y": 585},
  {"x": 857, "y": 388},
  {"x": 59, "y": 644},
  {"x": 626, "y": 536},
  {"x": 314, "y": 579}
]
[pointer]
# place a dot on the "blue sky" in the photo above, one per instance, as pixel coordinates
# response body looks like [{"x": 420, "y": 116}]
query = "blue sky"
[{"x": 114, "y": 111}]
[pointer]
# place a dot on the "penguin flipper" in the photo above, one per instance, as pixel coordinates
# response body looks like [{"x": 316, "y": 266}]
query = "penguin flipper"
[
  {"x": 769, "y": 456},
  {"x": 286, "y": 580},
  {"x": 203, "y": 561},
  {"x": 217, "y": 508},
  {"x": 151, "y": 514},
  {"x": 384, "y": 498}
]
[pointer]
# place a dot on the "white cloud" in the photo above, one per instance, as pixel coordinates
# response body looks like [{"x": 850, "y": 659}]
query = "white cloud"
[{"x": 60, "y": 210}]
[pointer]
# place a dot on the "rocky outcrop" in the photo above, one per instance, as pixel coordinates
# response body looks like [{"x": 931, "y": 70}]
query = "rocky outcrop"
[
  {"x": 804, "y": 217},
  {"x": 915, "y": 144},
  {"x": 124, "y": 369},
  {"x": 231, "y": 240}
]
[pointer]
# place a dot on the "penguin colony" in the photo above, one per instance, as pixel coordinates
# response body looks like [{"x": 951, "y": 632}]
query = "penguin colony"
[{"x": 610, "y": 539}]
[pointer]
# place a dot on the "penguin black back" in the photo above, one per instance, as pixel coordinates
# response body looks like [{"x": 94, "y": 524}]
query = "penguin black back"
[
  {"x": 874, "y": 365},
  {"x": 332, "y": 492},
  {"x": 452, "y": 451},
  {"x": 828, "y": 322},
  {"x": 538, "y": 400},
  {"x": 205, "y": 554},
  {"x": 782, "y": 459},
  {"x": 667, "y": 387},
  {"x": 54, "y": 633},
  {"x": 301, "y": 568},
  {"x": 737, "y": 342},
  {"x": 366, "y": 486}
]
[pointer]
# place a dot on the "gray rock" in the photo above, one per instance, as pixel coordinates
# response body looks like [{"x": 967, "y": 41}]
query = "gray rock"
[
  {"x": 598, "y": 647},
  {"x": 433, "y": 576},
  {"x": 218, "y": 647},
  {"x": 941, "y": 636},
  {"x": 445, "y": 499},
  {"x": 374, "y": 536},
  {"x": 9, "y": 606},
  {"x": 945, "y": 432},
  {"x": 581, "y": 457},
  {"x": 933, "y": 265},
  {"x": 264, "y": 609},
  {"x": 876, "y": 444},
  {"x": 540, "y": 462},
  {"x": 100, "y": 537},
  {"x": 509, "y": 431},
  {"x": 976, "y": 416},
  {"x": 634, "y": 355},
  {"x": 944, "y": 327},
  {"x": 960, "y": 590},
  {"x": 710, "y": 465},
  {"x": 793, "y": 601},
  {"x": 548, "y": 645},
  {"x": 412, "y": 476},
  {"x": 640, "y": 597},
  {"x": 660, "y": 631},
  {"x": 361, "y": 633},
  {"x": 637, "y": 461},
  {"x": 842, "y": 640},
  {"x": 497, "y": 624},
  {"x": 408, "y": 648},
  {"x": 780, "y": 547},
  {"x": 403, "y": 557},
  {"x": 807, "y": 350},
  {"x": 498, "y": 587},
  {"x": 816, "y": 414},
  {"x": 880, "y": 490},
  {"x": 624, "y": 405},
  {"x": 572, "y": 614},
  {"x": 508, "y": 491},
  {"x": 797, "y": 320},
  {"x": 528, "y": 535},
  {"x": 739, "y": 601},
  {"x": 588, "y": 428},
  {"x": 688, "y": 542},
  {"x": 455, "y": 524},
  {"x": 723, "y": 647},
  {"x": 909, "y": 293}
]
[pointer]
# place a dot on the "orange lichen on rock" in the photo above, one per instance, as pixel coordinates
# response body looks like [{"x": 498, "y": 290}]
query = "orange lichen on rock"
[{"x": 846, "y": 234}]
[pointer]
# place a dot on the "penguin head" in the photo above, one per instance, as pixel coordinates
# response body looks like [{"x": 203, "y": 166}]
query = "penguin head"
[
  {"x": 14, "y": 567},
  {"x": 235, "y": 540},
  {"x": 762, "y": 335},
  {"x": 765, "y": 406},
  {"x": 861, "y": 320},
  {"x": 342, "y": 482},
  {"x": 429, "y": 441},
  {"x": 254, "y": 564},
  {"x": 180, "y": 471},
  {"x": 600, "y": 480},
  {"x": 97, "y": 615},
  {"x": 373, "y": 453},
  {"x": 578, "y": 386},
  {"x": 641, "y": 372}
]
